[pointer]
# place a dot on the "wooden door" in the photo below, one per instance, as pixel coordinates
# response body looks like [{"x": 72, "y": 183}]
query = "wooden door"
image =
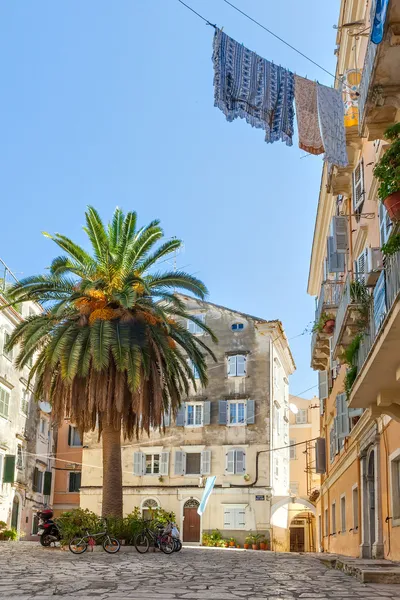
[
  {"x": 297, "y": 539},
  {"x": 191, "y": 525}
]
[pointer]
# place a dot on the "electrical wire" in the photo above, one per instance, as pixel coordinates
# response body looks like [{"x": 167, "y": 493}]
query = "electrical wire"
[{"x": 198, "y": 14}]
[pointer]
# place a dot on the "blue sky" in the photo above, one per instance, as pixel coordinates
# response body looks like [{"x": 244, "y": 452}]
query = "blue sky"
[{"x": 111, "y": 103}]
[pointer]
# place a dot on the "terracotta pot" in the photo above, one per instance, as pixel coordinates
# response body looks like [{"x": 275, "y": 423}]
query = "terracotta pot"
[
  {"x": 246, "y": 546},
  {"x": 255, "y": 546},
  {"x": 227, "y": 545},
  {"x": 238, "y": 546},
  {"x": 329, "y": 326},
  {"x": 392, "y": 205},
  {"x": 232, "y": 544},
  {"x": 263, "y": 546}
]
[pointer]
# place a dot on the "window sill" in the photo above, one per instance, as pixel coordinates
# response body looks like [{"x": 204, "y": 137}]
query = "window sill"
[
  {"x": 236, "y": 424},
  {"x": 193, "y": 426}
]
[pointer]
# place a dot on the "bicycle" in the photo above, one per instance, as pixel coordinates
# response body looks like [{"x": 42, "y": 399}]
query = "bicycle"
[
  {"x": 162, "y": 540},
  {"x": 79, "y": 545}
]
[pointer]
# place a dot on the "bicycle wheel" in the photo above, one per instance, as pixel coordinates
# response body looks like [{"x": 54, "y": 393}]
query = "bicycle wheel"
[
  {"x": 167, "y": 544},
  {"x": 142, "y": 543},
  {"x": 111, "y": 545},
  {"x": 78, "y": 545},
  {"x": 177, "y": 545}
]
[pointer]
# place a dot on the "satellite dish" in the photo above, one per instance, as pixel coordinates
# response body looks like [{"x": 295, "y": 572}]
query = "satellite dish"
[
  {"x": 293, "y": 408},
  {"x": 45, "y": 407}
]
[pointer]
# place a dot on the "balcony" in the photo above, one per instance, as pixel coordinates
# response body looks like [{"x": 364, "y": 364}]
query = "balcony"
[
  {"x": 328, "y": 302},
  {"x": 378, "y": 362},
  {"x": 348, "y": 318},
  {"x": 379, "y": 98}
]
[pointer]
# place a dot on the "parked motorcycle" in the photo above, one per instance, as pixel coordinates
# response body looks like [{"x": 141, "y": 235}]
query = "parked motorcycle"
[{"x": 48, "y": 531}]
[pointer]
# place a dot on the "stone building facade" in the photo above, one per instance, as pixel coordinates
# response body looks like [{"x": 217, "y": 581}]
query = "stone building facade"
[{"x": 224, "y": 430}]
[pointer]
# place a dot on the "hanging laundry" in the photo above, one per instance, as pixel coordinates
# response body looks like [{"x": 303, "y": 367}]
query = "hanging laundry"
[
  {"x": 252, "y": 88},
  {"x": 305, "y": 93},
  {"x": 379, "y": 19},
  {"x": 351, "y": 84},
  {"x": 331, "y": 121}
]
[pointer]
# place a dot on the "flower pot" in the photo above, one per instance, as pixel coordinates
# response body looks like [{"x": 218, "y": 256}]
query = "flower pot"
[
  {"x": 329, "y": 326},
  {"x": 246, "y": 546},
  {"x": 392, "y": 205},
  {"x": 255, "y": 546},
  {"x": 238, "y": 546},
  {"x": 232, "y": 544},
  {"x": 263, "y": 546}
]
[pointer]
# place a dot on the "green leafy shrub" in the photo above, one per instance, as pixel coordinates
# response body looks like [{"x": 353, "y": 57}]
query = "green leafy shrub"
[
  {"x": 320, "y": 324},
  {"x": 9, "y": 535},
  {"x": 352, "y": 349},
  {"x": 214, "y": 539},
  {"x": 387, "y": 170},
  {"x": 350, "y": 379},
  {"x": 392, "y": 245}
]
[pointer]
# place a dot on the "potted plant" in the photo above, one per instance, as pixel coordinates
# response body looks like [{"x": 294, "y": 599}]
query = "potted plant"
[
  {"x": 246, "y": 477},
  {"x": 325, "y": 324},
  {"x": 226, "y": 544},
  {"x": 263, "y": 543},
  {"x": 387, "y": 172},
  {"x": 232, "y": 542},
  {"x": 161, "y": 479},
  {"x": 256, "y": 541},
  {"x": 392, "y": 245},
  {"x": 248, "y": 542}
]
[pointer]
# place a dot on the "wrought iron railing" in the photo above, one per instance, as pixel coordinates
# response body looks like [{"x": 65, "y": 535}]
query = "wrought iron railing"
[
  {"x": 329, "y": 297},
  {"x": 344, "y": 302}
]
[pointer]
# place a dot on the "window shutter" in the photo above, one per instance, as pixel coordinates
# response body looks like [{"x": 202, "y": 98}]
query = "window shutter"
[
  {"x": 205, "y": 468},
  {"x": 241, "y": 365},
  {"x": 360, "y": 266},
  {"x": 320, "y": 455},
  {"x": 70, "y": 434},
  {"x": 180, "y": 416},
  {"x": 228, "y": 518},
  {"x": 9, "y": 468},
  {"x": 230, "y": 462},
  {"x": 323, "y": 386},
  {"x": 138, "y": 463},
  {"x": 164, "y": 463},
  {"x": 343, "y": 428},
  {"x": 339, "y": 233},
  {"x": 180, "y": 462},
  {"x": 250, "y": 412},
  {"x": 240, "y": 462},
  {"x": 335, "y": 429},
  {"x": 47, "y": 483},
  {"x": 335, "y": 260},
  {"x": 332, "y": 444},
  {"x": 358, "y": 186},
  {"x": 222, "y": 412},
  {"x": 206, "y": 412},
  {"x": 167, "y": 418},
  {"x": 379, "y": 303},
  {"x": 232, "y": 366}
]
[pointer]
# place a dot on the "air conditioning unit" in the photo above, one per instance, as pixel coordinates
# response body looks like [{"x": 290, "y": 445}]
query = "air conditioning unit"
[{"x": 373, "y": 265}]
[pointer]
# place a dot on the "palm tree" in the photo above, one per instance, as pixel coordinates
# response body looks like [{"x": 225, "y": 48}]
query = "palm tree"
[{"x": 111, "y": 348}]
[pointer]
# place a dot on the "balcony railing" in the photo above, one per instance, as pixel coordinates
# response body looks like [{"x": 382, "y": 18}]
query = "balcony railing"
[
  {"x": 329, "y": 297},
  {"x": 347, "y": 316},
  {"x": 328, "y": 301},
  {"x": 385, "y": 295}
]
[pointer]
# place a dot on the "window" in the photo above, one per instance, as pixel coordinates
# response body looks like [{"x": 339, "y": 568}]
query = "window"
[
  {"x": 332, "y": 442},
  {"x": 237, "y": 365},
  {"x": 343, "y": 514},
  {"x": 326, "y": 523},
  {"x": 294, "y": 488},
  {"x": 301, "y": 416},
  {"x": 4, "y": 402},
  {"x": 1, "y": 470},
  {"x": 20, "y": 460},
  {"x": 235, "y": 462},
  {"x": 25, "y": 402},
  {"x": 333, "y": 528},
  {"x": 237, "y": 326},
  {"x": 152, "y": 464},
  {"x": 7, "y": 354},
  {"x": 194, "y": 327},
  {"x": 385, "y": 223},
  {"x": 292, "y": 449},
  {"x": 149, "y": 506},
  {"x": 35, "y": 524},
  {"x": 193, "y": 463},
  {"x": 359, "y": 267},
  {"x": 74, "y": 482},
  {"x": 37, "y": 481},
  {"x": 234, "y": 518},
  {"x": 194, "y": 414},
  {"x": 276, "y": 467},
  {"x": 74, "y": 439},
  {"x": 236, "y": 413},
  {"x": 42, "y": 427},
  {"x": 355, "y": 508},
  {"x": 194, "y": 369}
]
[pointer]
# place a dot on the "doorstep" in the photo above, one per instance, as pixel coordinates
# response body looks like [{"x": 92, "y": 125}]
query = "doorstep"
[{"x": 365, "y": 569}]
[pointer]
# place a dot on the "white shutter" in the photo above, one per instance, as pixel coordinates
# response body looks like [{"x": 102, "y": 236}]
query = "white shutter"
[
  {"x": 138, "y": 463},
  {"x": 240, "y": 466},
  {"x": 360, "y": 265},
  {"x": 228, "y": 518},
  {"x": 358, "y": 186},
  {"x": 335, "y": 261},
  {"x": 164, "y": 463},
  {"x": 230, "y": 462},
  {"x": 343, "y": 428},
  {"x": 241, "y": 365},
  {"x": 205, "y": 468},
  {"x": 323, "y": 384},
  {"x": 339, "y": 233},
  {"x": 232, "y": 366},
  {"x": 180, "y": 462}
]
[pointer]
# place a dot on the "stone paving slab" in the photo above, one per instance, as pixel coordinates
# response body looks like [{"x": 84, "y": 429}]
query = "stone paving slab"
[{"x": 30, "y": 572}]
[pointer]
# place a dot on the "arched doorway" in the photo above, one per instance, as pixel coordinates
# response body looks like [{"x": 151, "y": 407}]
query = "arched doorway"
[
  {"x": 191, "y": 521},
  {"x": 293, "y": 525},
  {"x": 371, "y": 497},
  {"x": 149, "y": 507},
  {"x": 15, "y": 513}
]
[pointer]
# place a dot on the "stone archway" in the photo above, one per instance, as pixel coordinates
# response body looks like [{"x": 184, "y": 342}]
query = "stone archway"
[{"x": 289, "y": 535}]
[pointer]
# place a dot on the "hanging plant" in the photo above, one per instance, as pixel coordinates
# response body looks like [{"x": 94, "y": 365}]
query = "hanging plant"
[
  {"x": 387, "y": 172},
  {"x": 325, "y": 324}
]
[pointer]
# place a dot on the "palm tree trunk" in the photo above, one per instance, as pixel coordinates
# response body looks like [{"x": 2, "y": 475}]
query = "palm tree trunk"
[{"x": 112, "y": 472}]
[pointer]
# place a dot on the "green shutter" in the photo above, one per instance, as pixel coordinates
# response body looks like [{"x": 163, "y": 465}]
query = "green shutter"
[
  {"x": 47, "y": 483},
  {"x": 9, "y": 468}
]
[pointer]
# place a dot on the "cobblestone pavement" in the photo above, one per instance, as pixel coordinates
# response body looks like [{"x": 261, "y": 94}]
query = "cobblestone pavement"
[{"x": 29, "y": 571}]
